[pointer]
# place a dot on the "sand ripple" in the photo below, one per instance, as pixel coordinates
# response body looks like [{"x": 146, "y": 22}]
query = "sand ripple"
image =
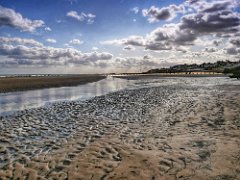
[{"x": 169, "y": 132}]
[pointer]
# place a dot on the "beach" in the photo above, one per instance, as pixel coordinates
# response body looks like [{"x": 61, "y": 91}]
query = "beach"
[
  {"x": 21, "y": 83},
  {"x": 167, "y": 128}
]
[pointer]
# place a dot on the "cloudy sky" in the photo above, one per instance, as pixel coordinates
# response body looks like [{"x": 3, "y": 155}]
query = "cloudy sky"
[{"x": 98, "y": 36}]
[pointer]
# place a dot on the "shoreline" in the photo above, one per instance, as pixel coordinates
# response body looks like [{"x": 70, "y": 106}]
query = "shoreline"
[
  {"x": 161, "y": 75},
  {"x": 23, "y": 83},
  {"x": 12, "y": 84}
]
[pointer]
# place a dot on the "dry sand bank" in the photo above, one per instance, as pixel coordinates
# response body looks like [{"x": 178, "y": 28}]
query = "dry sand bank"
[
  {"x": 10, "y": 84},
  {"x": 169, "y": 132}
]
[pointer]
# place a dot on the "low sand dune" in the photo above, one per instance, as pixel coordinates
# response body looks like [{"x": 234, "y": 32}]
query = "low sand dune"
[{"x": 178, "y": 131}]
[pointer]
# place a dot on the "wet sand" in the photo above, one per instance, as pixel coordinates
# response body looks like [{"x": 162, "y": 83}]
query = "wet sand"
[
  {"x": 9, "y": 84},
  {"x": 178, "y": 131}
]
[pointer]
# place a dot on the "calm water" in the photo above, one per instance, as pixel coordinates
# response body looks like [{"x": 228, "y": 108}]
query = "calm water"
[{"x": 14, "y": 101}]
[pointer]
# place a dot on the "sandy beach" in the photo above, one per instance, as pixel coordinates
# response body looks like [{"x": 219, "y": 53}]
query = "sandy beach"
[
  {"x": 176, "y": 128},
  {"x": 10, "y": 84}
]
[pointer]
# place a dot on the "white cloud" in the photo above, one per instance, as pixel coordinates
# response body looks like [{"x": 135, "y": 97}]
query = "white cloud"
[
  {"x": 89, "y": 18},
  {"x": 75, "y": 15},
  {"x": 135, "y": 63},
  {"x": 210, "y": 49},
  {"x": 45, "y": 56},
  {"x": 51, "y": 40},
  {"x": 216, "y": 17},
  {"x": 168, "y": 37},
  {"x": 129, "y": 48},
  {"x": 75, "y": 42},
  {"x": 155, "y": 14},
  {"x": 95, "y": 48},
  {"x": 48, "y": 29},
  {"x": 164, "y": 38},
  {"x": 67, "y": 45},
  {"x": 135, "y": 10},
  {"x": 72, "y": 1},
  {"x": 8, "y": 17},
  {"x": 59, "y": 21},
  {"x": 131, "y": 40},
  {"x": 210, "y": 20},
  {"x": 21, "y": 41}
]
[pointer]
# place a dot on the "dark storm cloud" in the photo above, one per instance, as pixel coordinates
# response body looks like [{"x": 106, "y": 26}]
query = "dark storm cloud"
[
  {"x": 213, "y": 17},
  {"x": 235, "y": 42},
  {"x": 217, "y": 6},
  {"x": 232, "y": 50},
  {"x": 210, "y": 49},
  {"x": 225, "y": 22},
  {"x": 217, "y": 42}
]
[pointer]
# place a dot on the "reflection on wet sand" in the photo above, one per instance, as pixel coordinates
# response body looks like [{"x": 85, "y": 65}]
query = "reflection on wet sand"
[{"x": 15, "y": 101}]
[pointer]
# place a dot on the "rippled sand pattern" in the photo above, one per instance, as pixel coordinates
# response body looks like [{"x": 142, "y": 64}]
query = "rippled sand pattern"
[{"x": 177, "y": 131}]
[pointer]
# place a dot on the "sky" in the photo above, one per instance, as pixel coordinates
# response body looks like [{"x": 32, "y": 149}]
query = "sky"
[{"x": 115, "y": 36}]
